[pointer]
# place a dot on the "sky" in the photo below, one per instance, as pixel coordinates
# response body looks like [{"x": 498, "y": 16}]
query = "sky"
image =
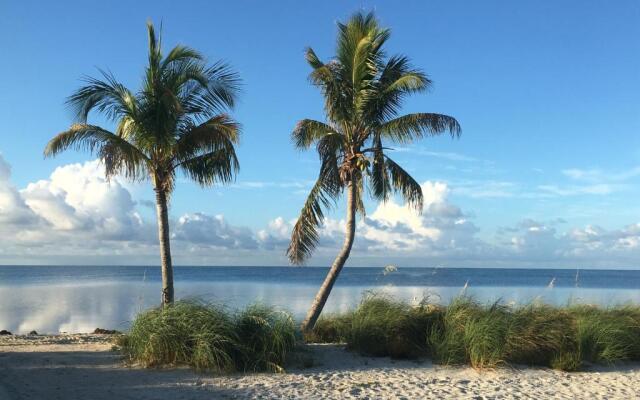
[{"x": 546, "y": 172}]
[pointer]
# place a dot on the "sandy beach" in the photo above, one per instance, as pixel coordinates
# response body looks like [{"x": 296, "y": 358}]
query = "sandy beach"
[{"x": 85, "y": 367}]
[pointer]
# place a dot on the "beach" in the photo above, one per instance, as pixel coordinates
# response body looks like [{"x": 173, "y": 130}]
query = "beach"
[{"x": 86, "y": 366}]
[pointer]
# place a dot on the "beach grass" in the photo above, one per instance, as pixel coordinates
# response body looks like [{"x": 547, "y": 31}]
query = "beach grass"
[
  {"x": 382, "y": 326},
  {"x": 208, "y": 337},
  {"x": 330, "y": 328},
  {"x": 488, "y": 335},
  {"x": 265, "y": 336}
]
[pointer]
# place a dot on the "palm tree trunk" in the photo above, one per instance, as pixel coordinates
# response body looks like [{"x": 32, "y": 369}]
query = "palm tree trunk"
[
  {"x": 165, "y": 247},
  {"x": 323, "y": 294}
]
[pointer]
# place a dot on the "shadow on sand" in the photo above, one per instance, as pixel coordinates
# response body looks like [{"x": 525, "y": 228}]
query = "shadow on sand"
[{"x": 96, "y": 375}]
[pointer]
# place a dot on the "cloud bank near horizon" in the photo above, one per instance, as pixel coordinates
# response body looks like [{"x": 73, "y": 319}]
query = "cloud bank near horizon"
[{"x": 76, "y": 216}]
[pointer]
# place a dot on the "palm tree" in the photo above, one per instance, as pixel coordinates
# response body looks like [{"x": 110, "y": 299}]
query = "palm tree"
[
  {"x": 177, "y": 121},
  {"x": 363, "y": 92}
]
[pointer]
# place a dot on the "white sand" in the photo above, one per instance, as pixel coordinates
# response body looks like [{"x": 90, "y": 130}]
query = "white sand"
[{"x": 83, "y": 367}]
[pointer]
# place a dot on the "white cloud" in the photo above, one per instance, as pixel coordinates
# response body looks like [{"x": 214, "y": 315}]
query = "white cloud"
[
  {"x": 596, "y": 175},
  {"x": 393, "y": 228},
  {"x": 77, "y": 198},
  {"x": 270, "y": 184},
  {"x": 541, "y": 244},
  {"x": 594, "y": 189},
  {"x": 13, "y": 210},
  {"x": 450, "y": 156},
  {"x": 75, "y": 214},
  {"x": 486, "y": 189},
  {"x": 206, "y": 231}
]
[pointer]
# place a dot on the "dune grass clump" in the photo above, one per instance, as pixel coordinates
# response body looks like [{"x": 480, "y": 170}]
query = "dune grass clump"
[
  {"x": 259, "y": 338},
  {"x": 187, "y": 332},
  {"x": 607, "y": 336},
  {"x": 332, "y": 328},
  {"x": 487, "y": 336},
  {"x": 535, "y": 334},
  {"x": 209, "y": 338},
  {"x": 266, "y": 337},
  {"x": 381, "y": 326},
  {"x": 446, "y": 339},
  {"x": 539, "y": 335}
]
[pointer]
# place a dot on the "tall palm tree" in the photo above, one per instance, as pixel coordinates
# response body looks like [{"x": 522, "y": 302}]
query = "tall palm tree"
[
  {"x": 176, "y": 121},
  {"x": 363, "y": 92}
]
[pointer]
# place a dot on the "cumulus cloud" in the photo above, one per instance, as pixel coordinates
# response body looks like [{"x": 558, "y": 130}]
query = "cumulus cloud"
[
  {"x": 535, "y": 243},
  {"x": 77, "y": 198},
  {"x": 395, "y": 228},
  {"x": 204, "y": 231},
  {"x": 75, "y": 215},
  {"x": 276, "y": 235},
  {"x": 13, "y": 210},
  {"x": 440, "y": 226}
]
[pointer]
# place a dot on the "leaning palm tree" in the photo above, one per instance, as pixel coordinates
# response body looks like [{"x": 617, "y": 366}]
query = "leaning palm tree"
[
  {"x": 176, "y": 122},
  {"x": 363, "y": 91}
]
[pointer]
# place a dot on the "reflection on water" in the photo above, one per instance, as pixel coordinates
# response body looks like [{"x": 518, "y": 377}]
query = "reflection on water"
[{"x": 83, "y": 306}]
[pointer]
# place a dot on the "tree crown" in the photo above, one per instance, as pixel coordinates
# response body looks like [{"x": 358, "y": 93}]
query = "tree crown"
[
  {"x": 178, "y": 120},
  {"x": 363, "y": 91}
]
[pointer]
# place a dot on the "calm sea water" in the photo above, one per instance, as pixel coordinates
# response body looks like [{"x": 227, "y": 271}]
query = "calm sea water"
[{"x": 52, "y": 299}]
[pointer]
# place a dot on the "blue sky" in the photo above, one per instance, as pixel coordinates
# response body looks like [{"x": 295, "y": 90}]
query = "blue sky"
[{"x": 547, "y": 93}]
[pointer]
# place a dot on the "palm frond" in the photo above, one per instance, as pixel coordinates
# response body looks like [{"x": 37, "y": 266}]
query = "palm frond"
[
  {"x": 404, "y": 184},
  {"x": 218, "y": 166},
  {"x": 326, "y": 190},
  {"x": 396, "y": 81},
  {"x": 107, "y": 96},
  {"x": 330, "y": 147},
  {"x": 118, "y": 155},
  {"x": 410, "y": 127},
  {"x": 309, "y": 131},
  {"x": 155, "y": 56},
  {"x": 304, "y": 237},
  {"x": 380, "y": 186},
  {"x": 181, "y": 54},
  {"x": 312, "y": 58},
  {"x": 218, "y": 133},
  {"x": 224, "y": 84},
  {"x": 333, "y": 81}
]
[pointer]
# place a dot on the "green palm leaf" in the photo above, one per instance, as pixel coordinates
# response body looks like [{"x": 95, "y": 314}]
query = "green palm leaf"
[
  {"x": 404, "y": 184},
  {"x": 410, "y": 127},
  {"x": 308, "y": 131},
  {"x": 118, "y": 155}
]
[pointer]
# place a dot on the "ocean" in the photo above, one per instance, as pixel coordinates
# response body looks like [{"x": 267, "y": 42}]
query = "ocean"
[{"x": 52, "y": 299}]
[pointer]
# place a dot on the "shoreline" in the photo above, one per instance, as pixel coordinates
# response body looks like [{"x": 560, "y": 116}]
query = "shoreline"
[{"x": 84, "y": 366}]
